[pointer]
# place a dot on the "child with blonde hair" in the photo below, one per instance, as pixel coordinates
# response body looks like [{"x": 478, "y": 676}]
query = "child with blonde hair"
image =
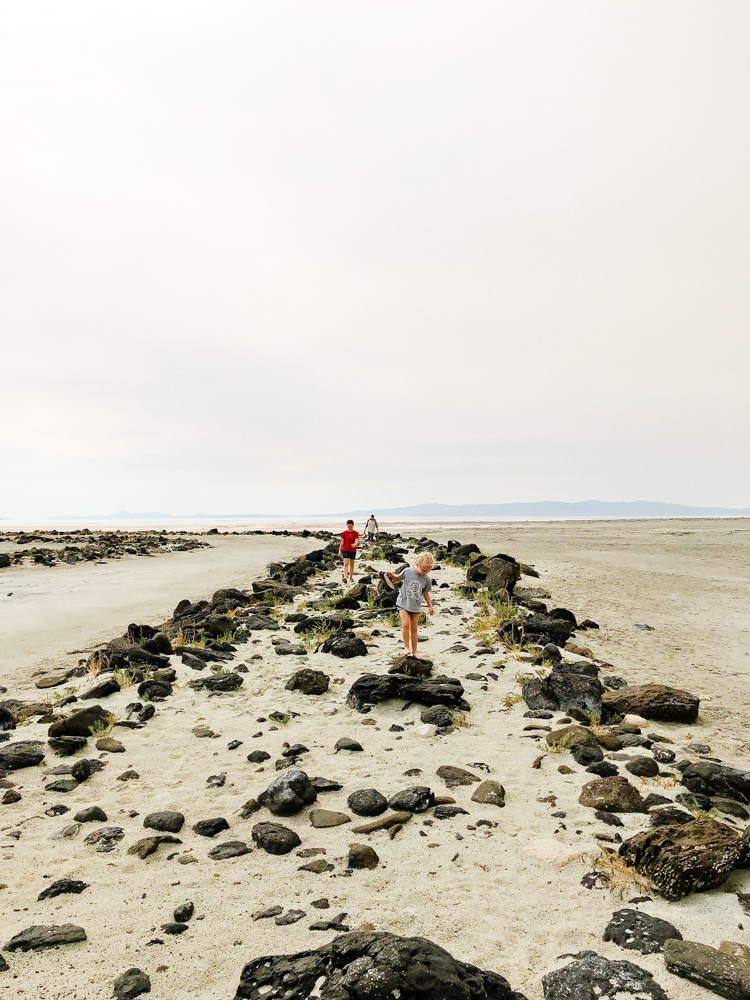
[{"x": 415, "y": 584}]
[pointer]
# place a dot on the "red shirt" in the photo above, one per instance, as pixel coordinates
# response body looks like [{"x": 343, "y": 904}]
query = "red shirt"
[{"x": 349, "y": 540}]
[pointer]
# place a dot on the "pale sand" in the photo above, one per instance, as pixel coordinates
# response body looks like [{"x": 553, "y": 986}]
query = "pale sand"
[{"x": 499, "y": 904}]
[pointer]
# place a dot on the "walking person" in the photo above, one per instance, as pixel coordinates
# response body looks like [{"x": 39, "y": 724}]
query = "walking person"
[
  {"x": 415, "y": 584},
  {"x": 348, "y": 549},
  {"x": 372, "y": 530}
]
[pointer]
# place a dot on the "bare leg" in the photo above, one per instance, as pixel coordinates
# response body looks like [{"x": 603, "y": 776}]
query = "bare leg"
[
  {"x": 405, "y": 629},
  {"x": 413, "y": 626}
]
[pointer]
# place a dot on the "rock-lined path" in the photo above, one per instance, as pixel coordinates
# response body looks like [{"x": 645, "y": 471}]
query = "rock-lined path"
[{"x": 277, "y": 775}]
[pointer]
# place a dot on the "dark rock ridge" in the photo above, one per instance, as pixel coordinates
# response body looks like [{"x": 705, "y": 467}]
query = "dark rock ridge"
[
  {"x": 654, "y": 701},
  {"x": 370, "y": 689},
  {"x": 371, "y": 966}
]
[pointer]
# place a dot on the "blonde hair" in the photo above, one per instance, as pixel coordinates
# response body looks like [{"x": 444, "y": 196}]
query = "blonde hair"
[{"x": 425, "y": 559}]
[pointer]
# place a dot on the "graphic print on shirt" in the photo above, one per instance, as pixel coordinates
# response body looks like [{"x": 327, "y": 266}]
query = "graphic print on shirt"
[{"x": 414, "y": 591}]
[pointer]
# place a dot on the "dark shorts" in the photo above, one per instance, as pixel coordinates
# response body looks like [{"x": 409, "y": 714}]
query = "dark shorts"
[
  {"x": 370, "y": 536},
  {"x": 349, "y": 555}
]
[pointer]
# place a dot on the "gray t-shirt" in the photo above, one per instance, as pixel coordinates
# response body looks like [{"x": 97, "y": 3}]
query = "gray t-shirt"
[{"x": 413, "y": 586}]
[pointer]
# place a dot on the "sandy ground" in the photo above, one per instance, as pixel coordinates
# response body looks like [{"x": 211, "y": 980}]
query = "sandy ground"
[{"x": 484, "y": 894}]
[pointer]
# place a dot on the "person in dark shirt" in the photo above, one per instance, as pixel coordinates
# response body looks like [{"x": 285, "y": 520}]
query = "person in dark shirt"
[{"x": 348, "y": 549}]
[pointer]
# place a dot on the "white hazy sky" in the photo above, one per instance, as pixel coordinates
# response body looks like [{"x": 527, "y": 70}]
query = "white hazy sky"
[{"x": 310, "y": 256}]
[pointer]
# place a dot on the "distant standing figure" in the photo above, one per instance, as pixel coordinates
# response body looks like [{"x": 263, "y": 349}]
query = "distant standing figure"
[
  {"x": 348, "y": 549},
  {"x": 371, "y": 530},
  {"x": 415, "y": 583}
]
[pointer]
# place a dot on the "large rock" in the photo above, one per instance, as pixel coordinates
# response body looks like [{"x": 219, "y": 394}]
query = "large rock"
[
  {"x": 455, "y": 776},
  {"x": 26, "y": 753},
  {"x": 273, "y": 838},
  {"x": 615, "y": 795},
  {"x": 7, "y": 722},
  {"x": 539, "y": 628},
  {"x": 706, "y": 778},
  {"x": 345, "y": 646},
  {"x": 371, "y": 689},
  {"x": 680, "y": 860},
  {"x": 639, "y": 931},
  {"x": 495, "y": 573},
  {"x": 490, "y": 793},
  {"x": 568, "y": 737},
  {"x": 101, "y": 690},
  {"x": 653, "y": 701},
  {"x": 724, "y": 974},
  {"x": 574, "y": 689},
  {"x": 308, "y": 681},
  {"x": 45, "y": 936},
  {"x": 289, "y": 793},
  {"x": 538, "y": 695},
  {"x": 367, "y": 802},
  {"x": 81, "y": 723},
  {"x": 415, "y": 799},
  {"x": 272, "y": 588},
  {"x": 371, "y": 966},
  {"x": 165, "y": 822},
  {"x": 592, "y": 977},
  {"x": 461, "y": 553}
]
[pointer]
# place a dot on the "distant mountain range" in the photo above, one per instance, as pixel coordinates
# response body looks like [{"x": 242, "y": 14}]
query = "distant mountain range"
[
  {"x": 553, "y": 508},
  {"x": 541, "y": 508}
]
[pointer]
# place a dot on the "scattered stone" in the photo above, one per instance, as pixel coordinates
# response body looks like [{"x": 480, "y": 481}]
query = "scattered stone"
[
  {"x": 165, "y": 822},
  {"x": 61, "y": 785},
  {"x": 105, "y": 835},
  {"x": 571, "y": 736},
  {"x": 290, "y": 917},
  {"x": 66, "y": 746},
  {"x": 183, "y": 913},
  {"x": 367, "y": 802},
  {"x": 321, "y": 818},
  {"x": 101, "y": 690},
  {"x": 642, "y": 767},
  {"x": 639, "y": 931},
  {"x": 174, "y": 928},
  {"x": 148, "y": 845},
  {"x": 490, "y": 793},
  {"x": 218, "y": 682},
  {"x": 229, "y": 849},
  {"x": 131, "y": 984},
  {"x": 387, "y": 822},
  {"x": 345, "y": 743},
  {"x": 362, "y": 856},
  {"x": 274, "y": 838},
  {"x": 272, "y": 911},
  {"x": 415, "y": 799},
  {"x": 62, "y": 886},
  {"x": 308, "y": 681},
  {"x": 611, "y": 795},
  {"x": 680, "y": 860},
  {"x": 325, "y": 785},
  {"x": 45, "y": 936},
  {"x": 321, "y": 904},
  {"x": 110, "y": 745},
  {"x": 591, "y": 977},
  {"x": 669, "y": 816},
  {"x": 345, "y": 646},
  {"x": 454, "y": 777},
  {"x": 210, "y": 827},
  {"x": 10, "y": 797},
  {"x": 412, "y": 666},
  {"x": 91, "y": 814},
  {"x": 586, "y": 755},
  {"x": 289, "y": 793},
  {"x": 603, "y": 769},
  {"x": 448, "y": 811}
]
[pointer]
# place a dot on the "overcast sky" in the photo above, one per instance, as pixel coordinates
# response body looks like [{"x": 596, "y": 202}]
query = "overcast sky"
[{"x": 310, "y": 256}]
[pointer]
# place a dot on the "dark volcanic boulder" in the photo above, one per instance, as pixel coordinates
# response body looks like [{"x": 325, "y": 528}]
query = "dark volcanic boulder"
[
  {"x": 654, "y": 701},
  {"x": 591, "y": 977},
  {"x": 680, "y": 860},
  {"x": 154, "y": 690},
  {"x": 639, "y": 931},
  {"x": 576, "y": 690},
  {"x": 131, "y": 984},
  {"x": 539, "y": 628},
  {"x": 81, "y": 723},
  {"x": 615, "y": 795},
  {"x": 371, "y": 689},
  {"x": 706, "y": 778},
  {"x": 538, "y": 695},
  {"x": 363, "y": 965},
  {"x": 367, "y": 802},
  {"x": 102, "y": 690},
  {"x": 345, "y": 646},
  {"x": 461, "y": 553},
  {"x": 14, "y": 756},
  {"x": 6, "y": 720},
  {"x": 414, "y": 666},
  {"x": 289, "y": 793},
  {"x": 308, "y": 681},
  {"x": 496, "y": 573}
]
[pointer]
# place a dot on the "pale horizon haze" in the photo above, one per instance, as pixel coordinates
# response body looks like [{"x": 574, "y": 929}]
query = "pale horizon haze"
[{"x": 298, "y": 257}]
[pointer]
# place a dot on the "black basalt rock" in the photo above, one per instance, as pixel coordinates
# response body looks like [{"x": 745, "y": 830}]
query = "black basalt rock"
[{"x": 370, "y": 689}]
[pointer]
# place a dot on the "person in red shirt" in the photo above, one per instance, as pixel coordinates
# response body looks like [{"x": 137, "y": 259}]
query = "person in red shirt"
[{"x": 348, "y": 549}]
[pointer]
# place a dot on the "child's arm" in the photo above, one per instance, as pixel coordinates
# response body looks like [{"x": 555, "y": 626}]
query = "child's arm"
[
  {"x": 392, "y": 577},
  {"x": 428, "y": 599}
]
